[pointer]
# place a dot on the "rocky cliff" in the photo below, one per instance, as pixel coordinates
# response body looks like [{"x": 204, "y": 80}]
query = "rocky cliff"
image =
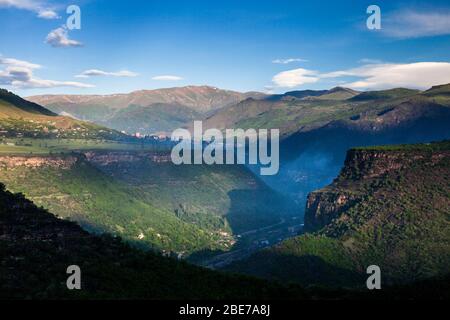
[
  {"x": 363, "y": 171},
  {"x": 108, "y": 157},
  {"x": 61, "y": 162},
  {"x": 389, "y": 206}
]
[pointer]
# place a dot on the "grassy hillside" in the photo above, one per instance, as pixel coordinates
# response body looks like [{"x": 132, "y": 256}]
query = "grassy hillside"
[
  {"x": 337, "y": 93},
  {"x": 36, "y": 248},
  {"x": 33, "y": 146},
  {"x": 388, "y": 207},
  {"x": 22, "y": 105},
  {"x": 99, "y": 203},
  {"x": 158, "y": 117},
  {"x": 304, "y": 111},
  {"x": 384, "y": 94},
  {"x": 21, "y": 118},
  {"x": 231, "y": 191},
  {"x": 144, "y": 198}
]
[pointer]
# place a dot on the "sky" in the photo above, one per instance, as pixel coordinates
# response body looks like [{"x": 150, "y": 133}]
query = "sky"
[{"x": 246, "y": 45}]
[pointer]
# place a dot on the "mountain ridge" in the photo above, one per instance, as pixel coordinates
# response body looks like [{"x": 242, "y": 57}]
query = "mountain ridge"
[
  {"x": 199, "y": 98},
  {"x": 22, "y": 118},
  {"x": 126, "y": 112}
]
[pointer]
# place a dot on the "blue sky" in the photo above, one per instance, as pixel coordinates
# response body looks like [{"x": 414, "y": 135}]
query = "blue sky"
[{"x": 271, "y": 46}]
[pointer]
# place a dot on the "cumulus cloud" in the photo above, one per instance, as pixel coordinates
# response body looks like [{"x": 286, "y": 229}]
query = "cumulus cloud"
[
  {"x": 295, "y": 78},
  {"x": 167, "y": 78},
  {"x": 39, "y": 7},
  {"x": 415, "y": 24},
  {"x": 289, "y": 60},
  {"x": 373, "y": 76},
  {"x": 19, "y": 74},
  {"x": 97, "y": 73},
  {"x": 60, "y": 38}
]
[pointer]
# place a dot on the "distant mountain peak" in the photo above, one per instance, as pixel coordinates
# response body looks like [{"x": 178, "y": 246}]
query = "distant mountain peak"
[{"x": 339, "y": 88}]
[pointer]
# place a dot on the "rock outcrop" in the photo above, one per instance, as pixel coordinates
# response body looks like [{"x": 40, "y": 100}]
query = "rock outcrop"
[
  {"x": 109, "y": 157},
  {"x": 62, "y": 162},
  {"x": 358, "y": 179},
  {"x": 389, "y": 207}
]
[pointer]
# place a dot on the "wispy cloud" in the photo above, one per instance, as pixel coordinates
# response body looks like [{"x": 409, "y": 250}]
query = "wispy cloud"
[
  {"x": 373, "y": 76},
  {"x": 167, "y": 78},
  {"x": 415, "y": 24},
  {"x": 42, "y": 9},
  {"x": 19, "y": 74},
  {"x": 289, "y": 60},
  {"x": 369, "y": 61},
  {"x": 18, "y": 63},
  {"x": 98, "y": 73},
  {"x": 381, "y": 76},
  {"x": 60, "y": 38},
  {"x": 295, "y": 78}
]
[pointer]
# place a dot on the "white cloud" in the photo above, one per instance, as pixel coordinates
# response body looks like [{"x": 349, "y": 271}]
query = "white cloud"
[
  {"x": 39, "y": 7},
  {"x": 294, "y": 78},
  {"x": 97, "y": 73},
  {"x": 167, "y": 78},
  {"x": 18, "y": 63},
  {"x": 373, "y": 76},
  {"x": 414, "y": 24},
  {"x": 289, "y": 60},
  {"x": 48, "y": 14},
  {"x": 40, "y": 83},
  {"x": 389, "y": 75},
  {"x": 19, "y": 74},
  {"x": 369, "y": 61},
  {"x": 60, "y": 38}
]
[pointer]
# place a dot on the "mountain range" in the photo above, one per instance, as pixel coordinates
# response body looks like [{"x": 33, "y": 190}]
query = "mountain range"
[
  {"x": 145, "y": 111},
  {"x": 387, "y": 206},
  {"x": 163, "y": 110}
]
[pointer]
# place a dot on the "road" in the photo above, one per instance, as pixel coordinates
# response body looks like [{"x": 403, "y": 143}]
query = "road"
[{"x": 275, "y": 233}]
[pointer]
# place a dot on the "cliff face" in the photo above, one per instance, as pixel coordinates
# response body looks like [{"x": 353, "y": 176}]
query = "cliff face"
[
  {"x": 367, "y": 164},
  {"x": 61, "y": 162},
  {"x": 361, "y": 175},
  {"x": 389, "y": 206},
  {"x": 110, "y": 157},
  {"x": 66, "y": 162},
  {"x": 324, "y": 206}
]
